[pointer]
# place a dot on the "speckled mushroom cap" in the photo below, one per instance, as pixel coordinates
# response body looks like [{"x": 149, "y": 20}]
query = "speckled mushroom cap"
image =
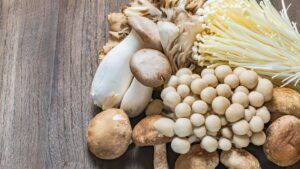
[
  {"x": 105, "y": 131},
  {"x": 150, "y": 67},
  {"x": 144, "y": 133},
  {"x": 197, "y": 158},
  {"x": 147, "y": 31},
  {"x": 239, "y": 159},
  {"x": 283, "y": 141}
]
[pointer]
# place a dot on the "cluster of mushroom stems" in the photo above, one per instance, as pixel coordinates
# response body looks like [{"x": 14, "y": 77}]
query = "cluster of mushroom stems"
[{"x": 219, "y": 108}]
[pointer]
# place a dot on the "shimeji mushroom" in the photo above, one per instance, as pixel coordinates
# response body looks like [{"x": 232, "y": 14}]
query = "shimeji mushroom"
[
  {"x": 283, "y": 141},
  {"x": 239, "y": 159},
  {"x": 197, "y": 158},
  {"x": 145, "y": 134},
  {"x": 113, "y": 75},
  {"x": 105, "y": 131}
]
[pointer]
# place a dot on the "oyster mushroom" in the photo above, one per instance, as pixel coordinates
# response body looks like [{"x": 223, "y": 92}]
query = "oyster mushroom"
[
  {"x": 197, "y": 158},
  {"x": 144, "y": 134},
  {"x": 239, "y": 159},
  {"x": 105, "y": 131},
  {"x": 282, "y": 146}
]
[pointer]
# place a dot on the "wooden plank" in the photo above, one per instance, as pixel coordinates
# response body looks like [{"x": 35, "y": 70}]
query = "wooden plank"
[{"x": 48, "y": 56}]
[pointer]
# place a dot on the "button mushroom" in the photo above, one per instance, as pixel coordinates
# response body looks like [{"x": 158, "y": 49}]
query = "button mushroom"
[
  {"x": 145, "y": 134},
  {"x": 150, "y": 67},
  {"x": 283, "y": 141},
  {"x": 197, "y": 158},
  {"x": 105, "y": 131},
  {"x": 239, "y": 159},
  {"x": 113, "y": 75}
]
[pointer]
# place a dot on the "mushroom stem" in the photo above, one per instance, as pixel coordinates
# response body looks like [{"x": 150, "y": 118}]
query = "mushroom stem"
[{"x": 160, "y": 157}]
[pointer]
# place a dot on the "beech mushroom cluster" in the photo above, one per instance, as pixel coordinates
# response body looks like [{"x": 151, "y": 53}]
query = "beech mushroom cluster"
[{"x": 222, "y": 108}]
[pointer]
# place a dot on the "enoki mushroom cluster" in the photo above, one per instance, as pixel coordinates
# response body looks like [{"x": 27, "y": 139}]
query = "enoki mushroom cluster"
[{"x": 221, "y": 108}]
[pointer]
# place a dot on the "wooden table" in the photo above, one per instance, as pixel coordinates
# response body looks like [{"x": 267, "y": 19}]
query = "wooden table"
[{"x": 48, "y": 56}]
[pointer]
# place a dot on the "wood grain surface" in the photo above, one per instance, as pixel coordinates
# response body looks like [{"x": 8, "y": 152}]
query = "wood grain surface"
[{"x": 48, "y": 56}]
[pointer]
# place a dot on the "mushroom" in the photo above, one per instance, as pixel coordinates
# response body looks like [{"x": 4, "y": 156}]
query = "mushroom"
[
  {"x": 198, "y": 85},
  {"x": 285, "y": 101},
  {"x": 239, "y": 159},
  {"x": 197, "y": 158},
  {"x": 113, "y": 76},
  {"x": 232, "y": 80},
  {"x": 150, "y": 67},
  {"x": 248, "y": 79},
  {"x": 105, "y": 131},
  {"x": 154, "y": 107},
  {"x": 224, "y": 90},
  {"x": 283, "y": 140},
  {"x": 222, "y": 71},
  {"x": 145, "y": 134}
]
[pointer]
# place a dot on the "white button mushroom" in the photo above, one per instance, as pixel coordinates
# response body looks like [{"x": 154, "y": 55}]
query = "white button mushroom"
[
  {"x": 198, "y": 85},
  {"x": 240, "y": 98},
  {"x": 182, "y": 110},
  {"x": 185, "y": 79},
  {"x": 197, "y": 119},
  {"x": 173, "y": 81},
  {"x": 238, "y": 70},
  {"x": 249, "y": 79},
  {"x": 183, "y": 90},
  {"x": 234, "y": 112},
  {"x": 171, "y": 99},
  {"x": 258, "y": 139},
  {"x": 208, "y": 94},
  {"x": 189, "y": 100},
  {"x": 220, "y": 104},
  {"x": 265, "y": 87},
  {"x": 181, "y": 146},
  {"x": 240, "y": 141},
  {"x": 222, "y": 71},
  {"x": 207, "y": 71},
  {"x": 242, "y": 89},
  {"x": 249, "y": 114},
  {"x": 224, "y": 90},
  {"x": 165, "y": 126},
  {"x": 211, "y": 80},
  {"x": 167, "y": 90},
  {"x": 241, "y": 127},
  {"x": 184, "y": 71},
  {"x": 200, "y": 131},
  {"x": 256, "y": 99},
  {"x": 213, "y": 123},
  {"x": 154, "y": 107},
  {"x": 183, "y": 127},
  {"x": 209, "y": 143},
  {"x": 199, "y": 106},
  {"x": 232, "y": 80},
  {"x": 264, "y": 114},
  {"x": 195, "y": 76},
  {"x": 226, "y": 132},
  {"x": 224, "y": 144},
  {"x": 256, "y": 124}
]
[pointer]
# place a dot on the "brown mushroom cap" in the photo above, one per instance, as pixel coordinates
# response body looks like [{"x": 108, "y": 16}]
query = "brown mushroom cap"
[
  {"x": 105, "y": 131},
  {"x": 147, "y": 31},
  {"x": 283, "y": 141},
  {"x": 150, "y": 67},
  {"x": 239, "y": 159},
  {"x": 285, "y": 101},
  {"x": 197, "y": 158},
  {"x": 144, "y": 133}
]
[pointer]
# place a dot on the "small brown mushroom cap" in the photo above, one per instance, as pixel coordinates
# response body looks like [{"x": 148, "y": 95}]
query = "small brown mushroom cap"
[
  {"x": 239, "y": 159},
  {"x": 283, "y": 141},
  {"x": 144, "y": 133},
  {"x": 150, "y": 67},
  {"x": 285, "y": 101},
  {"x": 197, "y": 158},
  {"x": 147, "y": 31},
  {"x": 105, "y": 131}
]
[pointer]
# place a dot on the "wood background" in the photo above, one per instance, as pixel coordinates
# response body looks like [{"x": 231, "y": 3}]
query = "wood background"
[{"x": 48, "y": 56}]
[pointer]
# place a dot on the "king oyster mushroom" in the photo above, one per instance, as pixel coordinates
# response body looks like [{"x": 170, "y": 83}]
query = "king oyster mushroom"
[{"x": 144, "y": 134}]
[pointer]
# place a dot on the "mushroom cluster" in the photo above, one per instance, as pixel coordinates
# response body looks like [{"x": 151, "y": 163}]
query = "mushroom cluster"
[{"x": 221, "y": 107}]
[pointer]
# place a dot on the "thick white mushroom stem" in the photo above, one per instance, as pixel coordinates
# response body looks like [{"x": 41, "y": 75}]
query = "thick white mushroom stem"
[
  {"x": 113, "y": 75},
  {"x": 160, "y": 157}
]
